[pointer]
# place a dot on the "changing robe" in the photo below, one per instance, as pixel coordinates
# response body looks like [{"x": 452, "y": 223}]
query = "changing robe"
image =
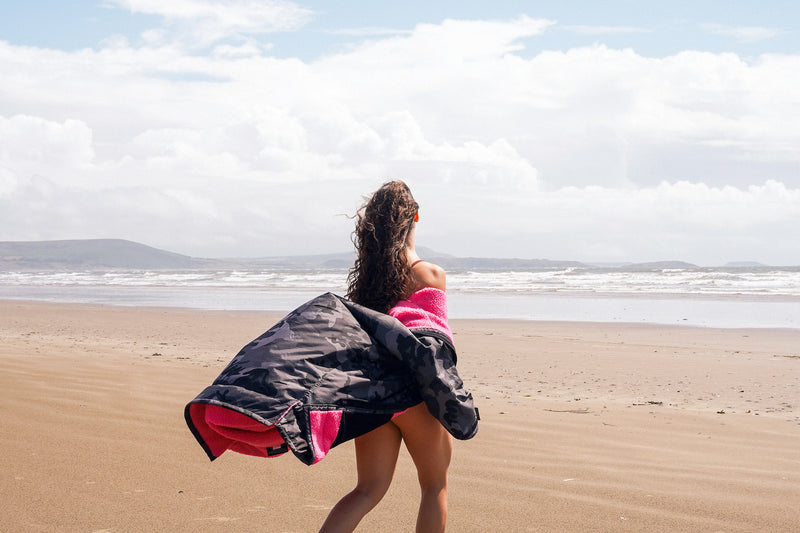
[{"x": 329, "y": 371}]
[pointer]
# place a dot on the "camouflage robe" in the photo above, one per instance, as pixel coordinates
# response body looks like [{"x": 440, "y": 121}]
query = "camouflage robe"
[{"x": 332, "y": 367}]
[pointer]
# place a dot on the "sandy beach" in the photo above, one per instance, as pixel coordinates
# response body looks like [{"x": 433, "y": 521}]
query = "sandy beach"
[{"x": 585, "y": 427}]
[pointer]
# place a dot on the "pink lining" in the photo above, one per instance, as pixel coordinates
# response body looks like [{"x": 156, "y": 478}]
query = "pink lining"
[
  {"x": 426, "y": 308},
  {"x": 324, "y": 428},
  {"x": 224, "y": 429}
]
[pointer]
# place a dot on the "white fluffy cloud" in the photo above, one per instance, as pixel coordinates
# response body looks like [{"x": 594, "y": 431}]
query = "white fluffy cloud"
[
  {"x": 589, "y": 153},
  {"x": 746, "y": 34},
  {"x": 203, "y": 22}
]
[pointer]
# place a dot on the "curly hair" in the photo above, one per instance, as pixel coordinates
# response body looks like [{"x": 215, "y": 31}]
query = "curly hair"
[{"x": 381, "y": 274}]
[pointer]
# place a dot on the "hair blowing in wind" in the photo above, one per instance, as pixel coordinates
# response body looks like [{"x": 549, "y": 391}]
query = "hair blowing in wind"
[{"x": 381, "y": 274}]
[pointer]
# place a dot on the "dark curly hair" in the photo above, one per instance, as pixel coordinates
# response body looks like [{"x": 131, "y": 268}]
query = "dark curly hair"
[{"x": 381, "y": 275}]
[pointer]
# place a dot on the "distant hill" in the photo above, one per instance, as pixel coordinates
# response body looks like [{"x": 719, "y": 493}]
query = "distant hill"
[
  {"x": 91, "y": 253},
  {"x": 744, "y": 264},
  {"x": 656, "y": 265},
  {"x": 489, "y": 263},
  {"x": 340, "y": 260},
  {"x": 118, "y": 253}
]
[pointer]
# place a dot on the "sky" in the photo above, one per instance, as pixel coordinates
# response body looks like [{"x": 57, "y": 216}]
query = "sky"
[{"x": 575, "y": 130}]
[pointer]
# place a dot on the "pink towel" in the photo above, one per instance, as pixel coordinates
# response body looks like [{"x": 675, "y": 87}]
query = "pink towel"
[{"x": 426, "y": 308}]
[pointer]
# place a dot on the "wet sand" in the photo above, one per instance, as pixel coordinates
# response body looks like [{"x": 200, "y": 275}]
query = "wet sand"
[{"x": 585, "y": 427}]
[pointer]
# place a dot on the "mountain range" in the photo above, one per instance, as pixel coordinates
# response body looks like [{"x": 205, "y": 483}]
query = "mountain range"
[{"x": 118, "y": 253}]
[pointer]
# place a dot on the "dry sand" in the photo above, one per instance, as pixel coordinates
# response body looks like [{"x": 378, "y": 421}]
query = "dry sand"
[{"x": 585, "y": 427}]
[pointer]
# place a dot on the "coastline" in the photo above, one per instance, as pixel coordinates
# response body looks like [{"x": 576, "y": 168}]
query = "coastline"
[
  {"x": 585, "y": 426},
  {"x": 705, "y": 310}
]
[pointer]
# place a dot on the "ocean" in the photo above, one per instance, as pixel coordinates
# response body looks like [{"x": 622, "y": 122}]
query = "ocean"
[{"x": 758, "y": 297}]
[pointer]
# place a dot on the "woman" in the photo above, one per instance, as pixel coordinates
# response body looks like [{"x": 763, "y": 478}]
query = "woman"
[{"x": 387, "y": 269}]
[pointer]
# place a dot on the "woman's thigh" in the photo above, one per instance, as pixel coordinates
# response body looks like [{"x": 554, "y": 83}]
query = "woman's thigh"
[
  {"x": 428, "y": 443},
  {"x": 376, "y": 457}
]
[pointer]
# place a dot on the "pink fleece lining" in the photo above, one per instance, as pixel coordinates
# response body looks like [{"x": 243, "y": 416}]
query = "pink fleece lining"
[
  {"x": 324, "y": 428},
  {"x": 225, "y": 429},
  {"x": 426, "y": 308}
]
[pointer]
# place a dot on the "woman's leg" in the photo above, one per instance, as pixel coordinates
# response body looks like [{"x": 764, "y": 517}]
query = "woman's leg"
[
  {"x": 376, "y": 458},
  {"x": 431, "y": 448}
]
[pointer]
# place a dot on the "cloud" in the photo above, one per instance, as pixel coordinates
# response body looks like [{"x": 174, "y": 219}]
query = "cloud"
[
  {"x": 202, "y": 22},
  {"x": 603, "y": 30},
  {"x": 464, "y": 39},
  {"x": 369, "y": 32},
  {"x": 588, "y": 153},
  {"x": 32, "y": 141},
  {"x": 690, "y": 221},
  {"x": 247, "y": 16},
  {"x": 744, "y": 34}
]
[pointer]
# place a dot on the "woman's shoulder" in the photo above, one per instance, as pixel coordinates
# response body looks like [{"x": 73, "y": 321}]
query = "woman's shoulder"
[{"x": 429, "y": 275}]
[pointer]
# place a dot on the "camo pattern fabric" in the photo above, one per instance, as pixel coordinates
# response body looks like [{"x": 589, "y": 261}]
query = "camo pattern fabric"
[{"x": 333, "y": 354}]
